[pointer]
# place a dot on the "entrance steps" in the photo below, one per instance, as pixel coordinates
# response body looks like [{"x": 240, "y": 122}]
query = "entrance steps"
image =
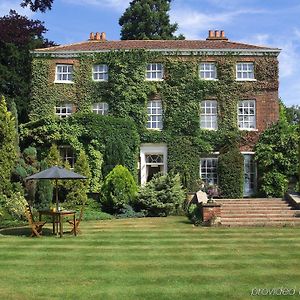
[{"x": 258, "y": 212}]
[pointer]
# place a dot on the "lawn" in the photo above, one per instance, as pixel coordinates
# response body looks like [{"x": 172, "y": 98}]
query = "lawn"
[{"x": 151, "y": 258}]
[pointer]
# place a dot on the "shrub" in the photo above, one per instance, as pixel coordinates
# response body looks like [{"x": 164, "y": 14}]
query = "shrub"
[
  {"x": 13, "y": 205},
  {"x": 194, "y": 215},
  {"x": 129, "y": 212},
  {"x": 231, "y": 172},
  {"x": 119, "y": 188},
  {"x": 275, "y": 184},
  {"x": 161, "y": 196}
]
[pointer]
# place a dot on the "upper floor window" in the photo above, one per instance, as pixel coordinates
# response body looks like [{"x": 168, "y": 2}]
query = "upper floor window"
[
  {"x": 63, "y": 110},
  {"x": 64, "y": 73},
  {"x": 208, "y": 115},
  {"x": 67, "y": 155},
  {"x": 154, "y": 111},
  {"x": 245, "y": 71},
  {"x": 208, "y": 71},
  {"x": 246, "y": 114},
  {"x": 100, "y": 72},
  {"x": 100, "y": 108},
  {"x": 154, "y": 72},
  {"x": 208, "y": 170}
]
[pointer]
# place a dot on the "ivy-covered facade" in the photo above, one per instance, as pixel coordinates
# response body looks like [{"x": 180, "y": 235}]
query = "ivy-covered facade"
[{"x": 155, "y": 106}]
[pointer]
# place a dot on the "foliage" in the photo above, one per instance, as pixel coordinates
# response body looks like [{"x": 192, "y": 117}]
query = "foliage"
[
  {"x": 79, "y": 188},
  {"x": 128, "y": 212},
  {"x": 162, "y": 196},
  {"x": 277, "y": 155},
  {"x": 147, "y": 20},
  {"x": 27, "y": 165},
  {"x": 231, "y": 172},
  {"x": 293, "y": 114},
  {"x": 44, "y": 194},
  {"x": 14, "y": 205},
  {"x": 118, "y": 136},
  {"x": 18, "y": 35},
  {"x": 118, "y": 190},
  {"x": 38, "y": 5},
  {"x": 194, "y": 215},
  {"x": 8, "y": 151},
  {"x": 53, "y": 158},
  {"x": 95, "y": 162}
]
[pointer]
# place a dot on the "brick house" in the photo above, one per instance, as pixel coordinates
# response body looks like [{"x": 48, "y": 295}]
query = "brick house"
[{"x": 249, "y": 69}]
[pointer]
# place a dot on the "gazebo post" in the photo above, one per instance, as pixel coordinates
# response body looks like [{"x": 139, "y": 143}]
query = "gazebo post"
[{"x": 56, "y": 195}]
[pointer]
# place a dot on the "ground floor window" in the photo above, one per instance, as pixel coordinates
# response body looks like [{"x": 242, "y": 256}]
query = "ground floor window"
[
  {"x": 67, "y": 155},
  {"x": 208, "y": 170},
  {"x": 153, "y": 160}
]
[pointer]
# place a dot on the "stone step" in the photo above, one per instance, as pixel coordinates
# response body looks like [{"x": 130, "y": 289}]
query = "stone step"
[
  {"x": 261, "y": 224},
  {"x": 258, "y": 215}
]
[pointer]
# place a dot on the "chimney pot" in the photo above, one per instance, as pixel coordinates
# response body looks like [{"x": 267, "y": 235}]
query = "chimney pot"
[
  {"x": 210, "y": 33},
  {"x": 217, "y": 33},
  {"x": 98, "y": 37},
  {"x": 92, "y": 36},
  {"x": 103, "y": 36},
  {"x": 222, "y": 34}
]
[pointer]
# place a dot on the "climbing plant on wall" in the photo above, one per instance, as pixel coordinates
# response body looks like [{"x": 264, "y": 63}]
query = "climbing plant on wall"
[{"x": 127, "y": 93}]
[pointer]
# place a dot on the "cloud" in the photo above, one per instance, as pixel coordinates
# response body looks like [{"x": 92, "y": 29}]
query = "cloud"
[
  {"x": 193, "y": 23},
  {"x": 7, "y": 5},
  {"x": 118, "y": 5}
]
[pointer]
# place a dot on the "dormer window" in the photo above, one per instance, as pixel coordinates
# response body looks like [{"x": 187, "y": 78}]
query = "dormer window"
[
  {"x": 208, "y": 71},
  {"x": 155, "y": 72},
  {"x": 245, "y": 71},
  {"x": 64, "y": 73}
]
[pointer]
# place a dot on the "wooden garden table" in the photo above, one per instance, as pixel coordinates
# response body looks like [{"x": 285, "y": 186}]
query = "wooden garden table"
[{"x": 57, "y": 218}]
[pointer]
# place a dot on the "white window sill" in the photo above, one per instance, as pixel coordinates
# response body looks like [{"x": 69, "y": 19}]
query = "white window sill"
[
  {"x": 209, "y": 129},
  {"x": 155, "y": 129},
  {"x": 209, "y": 79},
  {"x": 245, "y": 79},
  {"x": 100, "y": 80},
  {"x": 248, "y": 129},
  {"x": 64, "y": 81},
  {"x": 147, "y": 79}
]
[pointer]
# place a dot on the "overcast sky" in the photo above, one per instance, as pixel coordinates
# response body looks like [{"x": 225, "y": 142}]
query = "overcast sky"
[{"x": 274, "y": 23}]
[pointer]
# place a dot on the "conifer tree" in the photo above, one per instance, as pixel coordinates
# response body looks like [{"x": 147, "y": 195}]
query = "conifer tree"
[
  {"x": 8, "y": 152},
  {"x": 53, "y": 158},
  {"x": 78, "y": 193},
  {"x": 148, "y": 20}
]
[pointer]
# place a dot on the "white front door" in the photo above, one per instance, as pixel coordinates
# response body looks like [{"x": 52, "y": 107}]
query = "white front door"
[
  {"x": 249, "y": 175},
  {"x": 153, "y": 159}
]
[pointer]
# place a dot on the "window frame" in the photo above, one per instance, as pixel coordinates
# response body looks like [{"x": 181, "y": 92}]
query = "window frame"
[
  {"x": 100, "y": 110},
  {"x": 151, "y": 71},
  {"x": 244, "y": 71},
  {"x": 215, "y": 178},
  {"x": 210, "y": 71},
  {"x": 101, "y": 72},
  {"x": 62, "y": 106},
  {"x": 65, "y": 149},
  {"x": 209, "y": 116},
  {"x": 243, "y": 115},
  {"x": 157, "y": 115},
  {"x": 68, "y": 73}
]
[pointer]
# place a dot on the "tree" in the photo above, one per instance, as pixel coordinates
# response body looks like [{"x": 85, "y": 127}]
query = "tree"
[
  {"x": 148, "y": 20},
  {"x": 293, "y": 114},
  {"x": 18, "y": 35},
  {"x": 35, "y": 5},
  {"x": 8, "y": 152},
  {"x": 79, "y": 189},
  {"x": 277, "y": 156}
]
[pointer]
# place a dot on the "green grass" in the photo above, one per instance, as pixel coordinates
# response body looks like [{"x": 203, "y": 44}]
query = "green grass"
[{"x": 151, "y": 258}]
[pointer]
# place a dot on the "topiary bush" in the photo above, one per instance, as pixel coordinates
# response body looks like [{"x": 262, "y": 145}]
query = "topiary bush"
[
  {"x": 118, "y": 190},
  {"x": 275, "y": 184},
  {"x": 161, "y": 196},
  {"x": 231, "y": 172}
]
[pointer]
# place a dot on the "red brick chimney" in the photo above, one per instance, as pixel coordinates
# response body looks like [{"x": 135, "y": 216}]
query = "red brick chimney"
[{"x": 216, "y": 35}]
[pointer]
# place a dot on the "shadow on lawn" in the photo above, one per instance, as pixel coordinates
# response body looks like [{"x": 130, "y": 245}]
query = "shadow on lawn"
[{"x": 23, "y": 231}]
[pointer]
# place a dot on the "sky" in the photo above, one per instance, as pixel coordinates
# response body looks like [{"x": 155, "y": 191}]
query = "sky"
[{"x": 273, "y": 23}]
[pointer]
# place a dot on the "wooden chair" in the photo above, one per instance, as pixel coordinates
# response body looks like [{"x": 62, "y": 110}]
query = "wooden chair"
[
  {"x": 77, "y": 222},
  {"x": 36, "y": 227}
]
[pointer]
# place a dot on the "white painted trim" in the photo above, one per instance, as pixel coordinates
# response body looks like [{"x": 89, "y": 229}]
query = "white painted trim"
[
  {"x": 201, "y": 52},
  {"x": 248, "y": 152},
  {"x": 151, "y": 148}
]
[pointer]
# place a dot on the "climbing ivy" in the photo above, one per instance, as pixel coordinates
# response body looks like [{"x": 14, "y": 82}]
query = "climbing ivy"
[{"x": 127, "y": 93}]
